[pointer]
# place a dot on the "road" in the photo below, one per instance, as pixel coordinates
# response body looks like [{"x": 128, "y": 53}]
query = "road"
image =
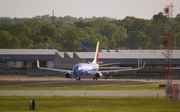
[{"x": 82, "y": 92}]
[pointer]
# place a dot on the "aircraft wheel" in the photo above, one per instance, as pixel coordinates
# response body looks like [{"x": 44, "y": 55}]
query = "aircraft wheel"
[
  {"x": 77, "y": 78},
  {"x": 94, "y": 78}
]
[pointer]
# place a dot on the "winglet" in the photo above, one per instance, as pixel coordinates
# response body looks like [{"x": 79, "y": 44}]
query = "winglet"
[
  {"x": 96, "y": 54},
  {"x": 144, "y": 65},
  {"x": 38, "y": 63}
]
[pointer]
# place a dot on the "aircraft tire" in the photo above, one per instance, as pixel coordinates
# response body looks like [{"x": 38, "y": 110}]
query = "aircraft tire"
[
  {"x": 95, "y": 78},
  {"x": 77, "y": 78}
]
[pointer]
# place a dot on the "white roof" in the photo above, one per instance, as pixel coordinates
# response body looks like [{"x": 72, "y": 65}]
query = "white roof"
[
  {"x": 130, "y": 55},
  {"x": 27, "y": 51},
  {"x": 61, "y": 54},
  {"x": 125, "y": 54},
  {"x": 85, "y": 54},
  {"x": 70, "y": 54}
]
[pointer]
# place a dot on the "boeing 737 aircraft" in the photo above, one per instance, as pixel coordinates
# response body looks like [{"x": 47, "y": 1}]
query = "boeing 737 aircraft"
[{"x": 90, "y": 68}]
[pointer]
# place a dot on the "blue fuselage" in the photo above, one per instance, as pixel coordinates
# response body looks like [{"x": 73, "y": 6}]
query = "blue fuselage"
[{"x": 85, "y": 69}]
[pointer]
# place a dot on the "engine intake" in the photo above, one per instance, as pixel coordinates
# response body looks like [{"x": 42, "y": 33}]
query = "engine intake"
[
  {"x": 98, "y": 75},
  {"x": 68, "y": 75}
]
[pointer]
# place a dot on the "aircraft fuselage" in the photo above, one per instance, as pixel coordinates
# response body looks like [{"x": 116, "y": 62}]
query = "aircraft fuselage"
[{"x": 85, "y": 69}]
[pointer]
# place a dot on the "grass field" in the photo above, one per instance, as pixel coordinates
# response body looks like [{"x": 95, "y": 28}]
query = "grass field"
[
  {"x": 87, "y": 87},
  {"x": 88, "y": 104}
]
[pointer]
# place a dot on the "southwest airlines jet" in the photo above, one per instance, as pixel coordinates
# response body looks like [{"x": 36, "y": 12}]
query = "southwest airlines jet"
[{"x": 87, "y": 69}]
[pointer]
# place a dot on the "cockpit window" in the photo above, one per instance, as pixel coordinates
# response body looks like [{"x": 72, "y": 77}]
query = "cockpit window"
[{"x": 75, "y": 68}]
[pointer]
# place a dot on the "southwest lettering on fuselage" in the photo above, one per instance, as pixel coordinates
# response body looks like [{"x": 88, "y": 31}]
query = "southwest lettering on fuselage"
[{"x": 85, "y": 68}]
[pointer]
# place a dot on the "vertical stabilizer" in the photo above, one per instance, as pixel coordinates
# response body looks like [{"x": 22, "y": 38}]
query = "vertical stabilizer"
[{"x": 95, "y": 61}]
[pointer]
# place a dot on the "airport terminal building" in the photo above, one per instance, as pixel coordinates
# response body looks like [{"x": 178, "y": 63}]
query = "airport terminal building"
[{"x": 23, "y": 61}]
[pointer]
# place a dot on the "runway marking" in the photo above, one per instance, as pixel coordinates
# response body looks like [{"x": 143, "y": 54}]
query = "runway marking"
[{"x": 125, "y": 95}]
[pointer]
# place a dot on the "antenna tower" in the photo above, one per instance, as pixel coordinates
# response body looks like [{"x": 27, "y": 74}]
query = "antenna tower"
[
  {"x": 168, "y": 42},
  {"x": 53, "y": 17}
]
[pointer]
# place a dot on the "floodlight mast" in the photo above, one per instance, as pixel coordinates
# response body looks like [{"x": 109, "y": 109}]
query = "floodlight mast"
[{"x": 168, "y": 42}]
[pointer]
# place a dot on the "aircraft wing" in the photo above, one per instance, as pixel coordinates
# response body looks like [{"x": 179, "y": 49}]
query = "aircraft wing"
[
  {"x": 175, "y": 68},
  {"x": 119, "y": 70},
  {"x": 115, "y": 68},
  {"x": 52, "y": 69},
  {"x": 101, "y": 65}
]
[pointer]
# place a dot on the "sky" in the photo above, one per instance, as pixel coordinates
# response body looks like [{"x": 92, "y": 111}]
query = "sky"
[{"x": 117, "y": 9}]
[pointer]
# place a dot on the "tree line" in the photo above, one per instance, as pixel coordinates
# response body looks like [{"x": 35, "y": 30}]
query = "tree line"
[{"x": 67, "y": 33}]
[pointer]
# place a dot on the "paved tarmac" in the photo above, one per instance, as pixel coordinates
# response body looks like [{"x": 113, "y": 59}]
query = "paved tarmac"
[
  {"x": 39, "y": 81},
  {"x": 71, "y": 82}
]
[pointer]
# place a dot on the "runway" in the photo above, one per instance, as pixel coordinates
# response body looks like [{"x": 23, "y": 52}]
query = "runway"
[
  {"x": 70, "y": 82},
  {"x": 46, "y": 81}
]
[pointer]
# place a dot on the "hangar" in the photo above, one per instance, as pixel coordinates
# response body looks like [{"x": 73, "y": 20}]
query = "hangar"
[{"x": 25, "y": 59}]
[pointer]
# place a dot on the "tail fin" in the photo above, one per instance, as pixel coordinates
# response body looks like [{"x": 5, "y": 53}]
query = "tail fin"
[{"x": 95, "y": 61}]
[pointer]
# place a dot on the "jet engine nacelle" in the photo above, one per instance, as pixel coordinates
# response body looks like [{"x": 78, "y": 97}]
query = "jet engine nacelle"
[
  {"x": 98, "y": 75},
  {"x": 68, "y": 75}
]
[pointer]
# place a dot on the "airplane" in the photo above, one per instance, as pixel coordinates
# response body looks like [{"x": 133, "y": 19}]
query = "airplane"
[{"x": 89, "y": 68}]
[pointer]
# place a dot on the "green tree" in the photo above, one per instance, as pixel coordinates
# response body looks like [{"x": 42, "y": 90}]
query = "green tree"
[
  {"x": 39, "y": 46},
  {"x": 98, "y": 24},
  {"x": 7, "y": 40},
  {"x": 49, "y": 30},
  {"x": 141, "y": 25},
  {"x": 5, "y": 20},
  {"x": 104, "y": 42},
  {"x": 178, "y": 40},
  {"x": 177, "y": 18},
  {"x": 25, "y": 42},
  {"x": 159, "y": 16},
  {"x": 17, "y": 29},
  {"x": 127, "y": 22},
  {"x": 116, "y": 35},
  {"x": 73, "y": 38},
  {"x": 138, "y": 39},
  {"x": 155, "y": 30},
  {"x": 33, "y": 24}
]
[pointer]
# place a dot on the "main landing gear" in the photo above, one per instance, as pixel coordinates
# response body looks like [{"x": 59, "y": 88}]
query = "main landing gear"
[
  {"x": 95, "y": 78},
  {"x": 78, "y": 78}
]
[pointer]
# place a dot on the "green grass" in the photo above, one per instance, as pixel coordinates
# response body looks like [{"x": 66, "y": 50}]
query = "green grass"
[
  {"x": 86, "y": 87},
  {"x": 88, "y": 104}
]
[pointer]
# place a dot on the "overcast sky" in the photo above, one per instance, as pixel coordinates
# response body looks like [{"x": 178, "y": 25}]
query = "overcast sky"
[{"x": 118, "y": 9}]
